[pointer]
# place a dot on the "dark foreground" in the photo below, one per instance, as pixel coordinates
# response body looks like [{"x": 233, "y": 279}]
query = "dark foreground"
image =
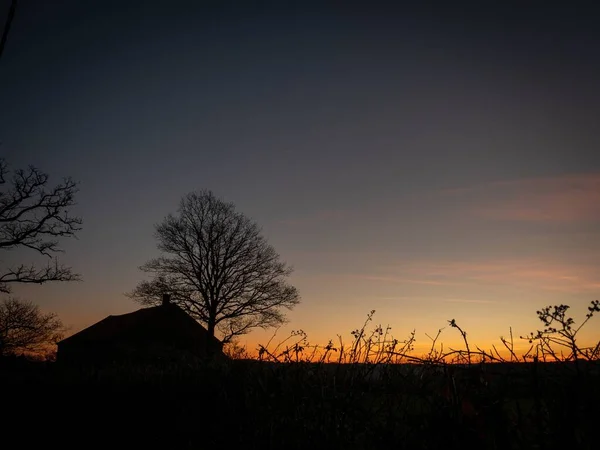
[{"x": 247, "y": 404}]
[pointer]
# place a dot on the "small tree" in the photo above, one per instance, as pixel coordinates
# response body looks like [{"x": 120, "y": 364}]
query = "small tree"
[
  {"x": 218, "y": 267},
  {"x": 33, "y": 216},
  {"x": 25, "y": 329},
  {"x": 561, "y": 331}
]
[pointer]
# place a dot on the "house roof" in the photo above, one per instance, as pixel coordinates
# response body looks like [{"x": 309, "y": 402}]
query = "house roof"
[{"x": 166, "y": 318}]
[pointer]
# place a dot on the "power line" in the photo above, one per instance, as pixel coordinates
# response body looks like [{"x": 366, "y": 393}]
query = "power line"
[{"x": 9, "y": 19}]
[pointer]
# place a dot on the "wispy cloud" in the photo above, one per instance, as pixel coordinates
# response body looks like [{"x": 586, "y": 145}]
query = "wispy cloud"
[
  {"x": 316, "y": 218},
  {"x": 524, "y": 272},
  {"x": 436, "y": 298},
  {"x": 395, "y": 279},
  {"x": 540, "y": 274},
  {"x": 464, "y": 300},
  {"x": 560, "y": 199},
  {"x": 394, "y": 298}
]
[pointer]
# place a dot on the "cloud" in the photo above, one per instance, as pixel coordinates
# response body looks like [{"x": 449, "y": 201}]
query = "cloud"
[
  {"x": 570, "y": 198},
  {"x": 436, "y": 298},
  {"x": 394, "y": 279},
  {"x": 523, "y": 272},
  {"x": 464, "y": 300},
  {"x": 532, "y": 273},
  {"x": 316, "y": 218}
]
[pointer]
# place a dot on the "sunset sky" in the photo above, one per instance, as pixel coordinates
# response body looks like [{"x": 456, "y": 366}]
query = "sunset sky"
[{"x": 427, "y": 164}]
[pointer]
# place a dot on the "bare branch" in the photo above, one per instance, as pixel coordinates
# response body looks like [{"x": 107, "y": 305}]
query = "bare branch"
[
  {"x": 33, "y": 216},
  {"x": 218, "y": 267},
  {"x": 24, "y": 328},
  {"x": 34, "y": 275}
]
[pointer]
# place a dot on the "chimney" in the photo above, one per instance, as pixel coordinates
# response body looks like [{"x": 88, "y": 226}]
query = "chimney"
[{"x": 166, "y": 299}]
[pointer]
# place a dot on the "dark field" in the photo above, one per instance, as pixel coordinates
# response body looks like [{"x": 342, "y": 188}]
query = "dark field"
[{"x": 252, "y": 404}]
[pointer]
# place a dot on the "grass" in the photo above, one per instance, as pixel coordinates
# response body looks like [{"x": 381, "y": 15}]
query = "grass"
[{"x": 369, "y": 393}]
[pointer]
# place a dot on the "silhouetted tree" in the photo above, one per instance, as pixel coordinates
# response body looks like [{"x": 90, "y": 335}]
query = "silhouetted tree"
[
  {"x": 24, "y": 328},
  {"x": 33, "y": 216},
  {"x": 218, "y": 267}
]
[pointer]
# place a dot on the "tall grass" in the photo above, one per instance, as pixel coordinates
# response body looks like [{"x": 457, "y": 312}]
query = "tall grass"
[
  {"x": 369, "y": 393},
  {"x": 376, "y": 345}
]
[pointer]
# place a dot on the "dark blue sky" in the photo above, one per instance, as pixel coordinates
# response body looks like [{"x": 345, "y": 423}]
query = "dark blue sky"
[{"x": 340, "y": 129}]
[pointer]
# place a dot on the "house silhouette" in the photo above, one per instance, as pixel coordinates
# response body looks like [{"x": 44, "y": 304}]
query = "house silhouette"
[{"x": 164, "y": 332}]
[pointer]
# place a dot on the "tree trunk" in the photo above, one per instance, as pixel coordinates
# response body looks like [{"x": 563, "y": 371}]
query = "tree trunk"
[{"x": 210, "y": 327}]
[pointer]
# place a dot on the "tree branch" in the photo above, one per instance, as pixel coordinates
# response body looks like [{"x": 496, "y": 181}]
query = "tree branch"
[
  {"x": 34, "y": 217},
  {"x": 218, "y": 267}
]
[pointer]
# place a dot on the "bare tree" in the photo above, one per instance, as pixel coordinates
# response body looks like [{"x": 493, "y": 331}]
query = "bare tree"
[
  {"x": 24, "y": 328},
  {"x": 33, "y": 216},
  {"x": 218, "y": 267}
]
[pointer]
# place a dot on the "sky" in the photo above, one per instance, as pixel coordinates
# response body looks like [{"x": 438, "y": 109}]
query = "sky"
[{"x": 428, "y": 163}]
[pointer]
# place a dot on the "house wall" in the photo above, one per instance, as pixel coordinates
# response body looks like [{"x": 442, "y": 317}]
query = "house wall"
[{"x": 140, "y": 347}]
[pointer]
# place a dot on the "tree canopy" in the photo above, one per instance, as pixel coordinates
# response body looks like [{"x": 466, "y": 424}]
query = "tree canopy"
[
  {"x": 25, "y": 329},
  {"x": 218, "y": 267}
]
